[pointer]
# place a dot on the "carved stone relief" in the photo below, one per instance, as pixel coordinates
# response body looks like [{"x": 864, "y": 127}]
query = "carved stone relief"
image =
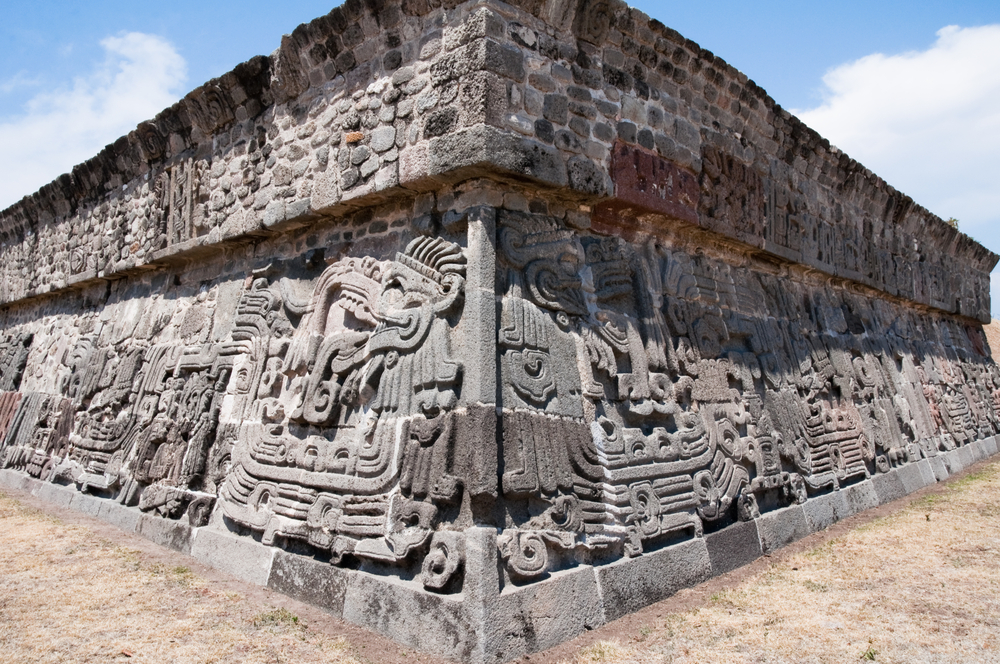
[
  {"x": 649, "y": 390},
  {"x": 180, "y": 201},
  {"x": 13, "y": 358},
  {"x": 458, "y": 293},
  {"x": 348, "y": 435}
]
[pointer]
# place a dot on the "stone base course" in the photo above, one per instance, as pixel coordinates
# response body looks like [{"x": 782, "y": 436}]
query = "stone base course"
[{"x": 519, "y": 620}]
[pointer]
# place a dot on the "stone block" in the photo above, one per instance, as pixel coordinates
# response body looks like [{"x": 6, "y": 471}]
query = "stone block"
[
  {"x": 976, "y": 450},
  {"x": 414, "y": 167},
  {"x": 544, "y": 614},
  {"x": 274, "y": 214},
  {"x": 916, "y": 476},
  {"x": 953, "y": 461},
  {"x": 165, "y": 532},
  {"x": 733, "y": 546},
  {"x": 487, "y": 147},
  {"x": 481, "y": 591},
  {"x": 860, "y": 497},
  {"x": 939, "y": 468},
  {"x": 308, "y": 580},
  {"x": 587, "y": 177},
  {"x": 981, "y": 449},
  {"x": 12, "y": 479},
  {"x": 646, "y": 181},
  {"x": 782, "y": 527},
  {"x": 966, "y": 456},
  {"x": 435, "y": 623},
  {"x": 87, "y": 504},
  {"x": 242, "y": 557},
  {"x": 31, "y": 485},
  {"x": 825, "y": 510},
  {"x": 126, "y": 518},
  {"x": 990, "y": 444},
  {"x": 504, "y": 60},
  {"x": 630, "y": 584},
  {"x": 382, "y": 139},
  {"x": 555, "y": 108},
  {"x": 888, "y": 487},
  {"x": 55, "y": 493}
]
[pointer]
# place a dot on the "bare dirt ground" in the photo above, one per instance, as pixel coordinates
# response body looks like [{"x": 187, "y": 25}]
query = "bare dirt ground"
[
  {"x": 74, "y": 589},
  {"x": 914, "y": 581}
]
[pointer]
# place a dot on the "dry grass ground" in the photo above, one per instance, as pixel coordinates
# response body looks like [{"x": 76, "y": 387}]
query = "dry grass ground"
[
  {"x": 993, "y": 337},
  {"x": 919, "y": 585},
  {"x": 918, "y": 581},
  {"x": 75, "y": 590}
]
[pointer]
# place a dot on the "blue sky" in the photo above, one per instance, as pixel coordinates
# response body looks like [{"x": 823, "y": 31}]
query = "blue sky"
[{"x": 890, "y": 83}]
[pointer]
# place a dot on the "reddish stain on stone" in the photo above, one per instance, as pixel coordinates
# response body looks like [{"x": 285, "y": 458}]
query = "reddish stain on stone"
[{"x": 645, "y": 180}]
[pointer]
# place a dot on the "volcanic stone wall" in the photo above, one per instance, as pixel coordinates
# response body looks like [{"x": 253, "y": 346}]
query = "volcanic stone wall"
[{"x": 443, "y": 316}]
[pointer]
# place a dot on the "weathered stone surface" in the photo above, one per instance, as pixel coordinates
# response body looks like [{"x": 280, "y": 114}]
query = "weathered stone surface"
[
  {"x": 825, "y": 510},
  {"x": 238, "y": 556},
  {"x": 171, "y": 534},
  {"x": 782, "y": 527},
  {"x": 941, "y": 471},
  {"x": 468, "y": 325},
  {"x": 418, "y": 619},
  {"x": 55, "y": 494},
  {"x": 547, "y": 613},
  {"x": 308, "y": 580},
  {"x": 916, "y": 476},
  {"x": 119, "y": 516},
  {"x": 629, "y": 585},
  {"x": 652, "y": 184},
  {"x": 15, "y": 480},
  {"x": 86, "y": 504},
  {"x": 733, "y": 547},
  {"x": 888, "y": 487},
  {"x": 861, "y": 497}
]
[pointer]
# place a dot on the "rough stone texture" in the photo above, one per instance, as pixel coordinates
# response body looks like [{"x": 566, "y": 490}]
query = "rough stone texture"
[
  {"x": 55, "y": 494},
  {"x": 734, "y": 546},
  {"x": 238, "y": 556},
  {"x": 782, "y": 527},
  {"x": 861, "y": 497},
  {"x": 629, "y": 585},
  {"x": 481, "y": 324},
  {"x": 119, "y": 516},
  {"x": 549, "y": 612},
  {"x": 823, "y": 511},
  {"x": 308, "y": 580},
  {"x": 171, "y": 534},
  {"x": 941, "y": 471},
  {"x": 888, "y": 487},
  {"x": 916, "y": 476}
]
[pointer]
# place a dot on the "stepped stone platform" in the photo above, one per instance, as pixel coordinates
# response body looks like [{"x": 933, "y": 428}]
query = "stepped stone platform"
[{"x": 482, "y": 324}]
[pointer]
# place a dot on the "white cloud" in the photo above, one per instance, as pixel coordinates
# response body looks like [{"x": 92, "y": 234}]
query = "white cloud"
[
  {"x": 928, "y": 122},
  {"x": 19, "y": 80},
  {"x": 140, "y": 76}
]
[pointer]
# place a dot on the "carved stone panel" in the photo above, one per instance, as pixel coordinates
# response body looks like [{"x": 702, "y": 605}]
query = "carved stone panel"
[
  {"x": 645, "y": 395},
  {"x": 348, "y": 439}
]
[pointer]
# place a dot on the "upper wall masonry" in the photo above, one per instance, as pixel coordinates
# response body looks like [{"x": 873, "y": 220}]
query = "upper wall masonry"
[{"x": 625, "y": 119}]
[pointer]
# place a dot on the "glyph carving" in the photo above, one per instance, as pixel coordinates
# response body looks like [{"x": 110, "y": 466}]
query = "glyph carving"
[
  {"x": 14, "y": 351},
  {"x": 647, "y": 392},
  {"x": 348, "y": 439}
]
